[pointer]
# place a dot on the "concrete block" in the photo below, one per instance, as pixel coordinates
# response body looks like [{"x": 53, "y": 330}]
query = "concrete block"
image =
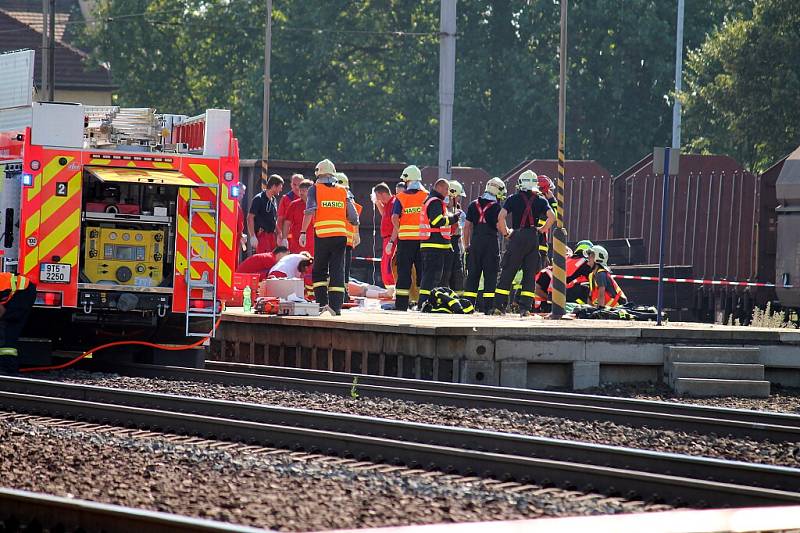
[
  {"x": 625, "y": 353},
  {"x": 514, "y": 374},
  {"x": 785, "y": 377},
  {"x": 780, "y": 355},
  {"x": 585, "y": 375},
  {"x": 630, "y": 373},
  {"x": 712, "y": 354},
  {"x": 480, "y": 373},
  {"x": 716, "y": 371},
  {"x": 549, "y": 375},
  {"x": 540, "y": 351},
  {"x": 478, "y": 348},
  {"x": 721, "y": 387}
]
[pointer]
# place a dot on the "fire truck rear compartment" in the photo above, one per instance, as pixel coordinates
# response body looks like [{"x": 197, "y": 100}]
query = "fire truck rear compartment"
[{"x": 128, "y": 236}]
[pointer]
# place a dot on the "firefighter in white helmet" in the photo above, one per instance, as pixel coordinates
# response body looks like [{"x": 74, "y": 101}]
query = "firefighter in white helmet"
[
  {"x": 603, "y": 288},
  {"x": 480, "y": 243},
  {"x": 454, "y": 262},
  {"x": 407, "y": 234},
  {"x": 332, "y": 208},
  {"x": 353, "y": 237},
  {"x": 526, "y": 206}
]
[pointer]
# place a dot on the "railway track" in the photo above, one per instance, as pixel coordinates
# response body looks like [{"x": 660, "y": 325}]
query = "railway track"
[
  {"x": 777, "y": 427},
  {"x": 29, "y": 511},
  {"x": 634, "y": 474}
]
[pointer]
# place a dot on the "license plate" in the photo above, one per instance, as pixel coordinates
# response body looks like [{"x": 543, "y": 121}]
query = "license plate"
[{"x": 54, "y": 273}]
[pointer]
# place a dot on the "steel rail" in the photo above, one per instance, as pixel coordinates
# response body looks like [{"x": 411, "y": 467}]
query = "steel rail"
[
  {"x": 613, "y": 402},
  {"x": 55, "y": 513},
  {"x": 657, "y": 463},
  {"x": 735, "y": 422}
]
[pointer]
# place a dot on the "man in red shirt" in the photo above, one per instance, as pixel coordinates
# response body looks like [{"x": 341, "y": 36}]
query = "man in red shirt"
[
  {"x": 292, "y": 225},
  {"x": 262, "y": 263},
  {"x": 286, "y": 201},
  {"x": 384, "y": 201}
]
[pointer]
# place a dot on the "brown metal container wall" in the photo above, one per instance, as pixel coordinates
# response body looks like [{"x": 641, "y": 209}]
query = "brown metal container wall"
[
  {"x": 587, "y": 195},
  {"x": 713, "y": 212}
]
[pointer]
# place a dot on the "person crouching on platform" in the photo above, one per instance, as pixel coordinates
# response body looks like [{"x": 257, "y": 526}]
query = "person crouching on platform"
[
  {"x": 17, "y": 296},
  {"x": 578, "y": 271},
  {"x": 332, "y": 208},
  {"x": 407, "y": 234},
  {"x": 262, "y": 263},
  {"x": 603, "y": 288},
  {"x": 526, "y": 206}
]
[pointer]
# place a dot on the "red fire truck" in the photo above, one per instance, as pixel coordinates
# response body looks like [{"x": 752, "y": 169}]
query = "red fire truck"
[{"x": 118, "y": 215}]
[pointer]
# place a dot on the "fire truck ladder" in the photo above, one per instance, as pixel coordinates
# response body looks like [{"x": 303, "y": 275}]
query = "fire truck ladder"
[{"x": 199, "y": 253}]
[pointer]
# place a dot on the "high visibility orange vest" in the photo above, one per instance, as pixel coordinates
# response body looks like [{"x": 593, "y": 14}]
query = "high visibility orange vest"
[
  {"x": 425, "y": 225},
  {"x": 331, "y": 216},
  {"x": 351, "y": 229},
  {"x": 573, "y": 264},
  {"x": 611, "y": 300},
  {"x": 410, "y": 229},
  {"x": 9, "y": 284}
]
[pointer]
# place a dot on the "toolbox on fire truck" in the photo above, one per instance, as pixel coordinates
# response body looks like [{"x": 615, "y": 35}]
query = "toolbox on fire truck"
[{"x": 112, "y": 210}]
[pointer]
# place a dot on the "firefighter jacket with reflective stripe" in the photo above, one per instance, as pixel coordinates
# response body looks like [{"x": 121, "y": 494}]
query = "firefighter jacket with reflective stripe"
[
  {"x": 411, "y": 205},
  {"x": 351, "y": 229},
  {"x": 9, "y": 284},
  {"x": 331, "y": 215},
  {"x": 435, "y": 224},
  {"x": 611, "y": 300}
]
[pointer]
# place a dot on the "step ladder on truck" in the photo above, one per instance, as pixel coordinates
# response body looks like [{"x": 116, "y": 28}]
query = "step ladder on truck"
[{"x": 120, "y": 216}]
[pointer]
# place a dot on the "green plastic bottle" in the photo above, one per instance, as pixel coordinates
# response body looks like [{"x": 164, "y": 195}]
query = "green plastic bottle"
[{"x": 247, "y": 301}]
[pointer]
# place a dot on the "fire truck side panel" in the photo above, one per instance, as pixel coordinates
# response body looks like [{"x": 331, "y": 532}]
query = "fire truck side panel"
[{"x": 51, "y": 217}]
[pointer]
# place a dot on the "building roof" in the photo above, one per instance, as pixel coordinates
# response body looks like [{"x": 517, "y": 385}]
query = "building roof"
[
  {"x": 72, "y": 70},
  {"x": 29, "y": 12}
]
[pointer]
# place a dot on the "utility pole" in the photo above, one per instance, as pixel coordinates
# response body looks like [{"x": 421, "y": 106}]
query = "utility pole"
[
  {"x": 676, "y": 110},
  {"x": 559, "y": 233},
  {"x": 51, "y": 52},
  {"x": 447, "y": 82},
  {"x": 267, "y": 82}
]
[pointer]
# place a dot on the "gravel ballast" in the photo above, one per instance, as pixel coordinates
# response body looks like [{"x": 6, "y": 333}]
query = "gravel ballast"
[
  {"x": 274, "y": 490},
  {"x": 601, "y": 432}
]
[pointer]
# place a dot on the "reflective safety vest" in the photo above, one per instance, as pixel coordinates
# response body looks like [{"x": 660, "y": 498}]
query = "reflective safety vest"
[
  {"x": 573, "y": 264},
  {"x": 425, "y": 225},
  {"x": 351, "y": 229},
  {"x": 611, "y": 300},
  {"x": 410, "y": 229},
  {"x": 9, "y": 284},
  {"x": 331, "y": 216}
]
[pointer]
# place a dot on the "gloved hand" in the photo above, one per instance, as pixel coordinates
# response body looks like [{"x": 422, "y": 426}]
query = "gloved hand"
[
  {"x": 389, "y": 248},
  {"x": 510, "y": 232},
  {"x": 243, "y": 241},
  {"x": 302, "y": 240},
  {"x": 253, "y": 242},
  {"x": 284, "y": 242},
  {"x": 356, "y": 239}
]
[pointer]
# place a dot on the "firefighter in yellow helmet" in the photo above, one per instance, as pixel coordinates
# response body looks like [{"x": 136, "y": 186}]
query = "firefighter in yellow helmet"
[
  {"x": 454, "y": 262},
  {"x": 407, "y": 234},
  {"x": 17, "y": 296},
  {"x": 332, "y": 208}
]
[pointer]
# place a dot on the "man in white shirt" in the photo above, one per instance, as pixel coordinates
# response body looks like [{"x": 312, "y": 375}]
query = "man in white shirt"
[{"x": 292, "y": 266}]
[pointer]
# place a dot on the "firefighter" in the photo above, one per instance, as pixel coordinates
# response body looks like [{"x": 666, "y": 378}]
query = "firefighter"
[
  {"x": 407, "y": 234},
  {"x": 436, "y": 225},
  {"x": 17, "y": 296},
  {"x": 525, "y": 206},
  {"x": 603, "y": 288},
  {"x": 546, "y": 188},
  {"x": 353, "y": 237},
  {"x": 454, "y": 262},
  {"x": 481, "y": 245},
  {"x": 577, "y": 275},
  {"x": 332, "y": 208}
]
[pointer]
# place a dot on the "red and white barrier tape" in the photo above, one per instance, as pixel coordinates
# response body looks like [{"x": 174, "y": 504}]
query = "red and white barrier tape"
[
  {"x": 697, "y": 281},
  {"x": 655, "y": 278}
]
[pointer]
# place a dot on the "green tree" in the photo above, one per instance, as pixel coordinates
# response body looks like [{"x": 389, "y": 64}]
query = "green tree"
[{"x": 743, "y": 86}]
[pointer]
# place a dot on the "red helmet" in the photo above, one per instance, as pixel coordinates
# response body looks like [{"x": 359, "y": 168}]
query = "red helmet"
[{"x": 545, "y": 184}]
